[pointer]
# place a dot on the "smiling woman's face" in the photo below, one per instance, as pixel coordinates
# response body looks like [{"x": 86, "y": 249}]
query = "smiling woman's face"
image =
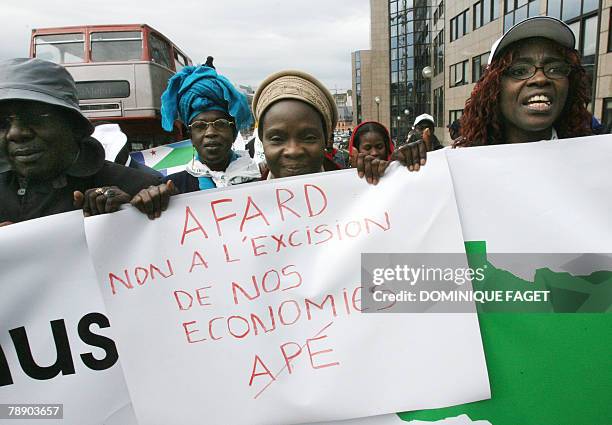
[
  {"x": 293, "y": 138},
  {"x": 530, "y": 107}
]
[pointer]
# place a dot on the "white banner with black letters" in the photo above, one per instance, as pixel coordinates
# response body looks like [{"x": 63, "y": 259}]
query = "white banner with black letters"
[{"x": 56, "y": 345}]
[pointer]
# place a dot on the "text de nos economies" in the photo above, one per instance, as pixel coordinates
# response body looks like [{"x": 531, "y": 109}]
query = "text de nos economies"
[{"x": 269, "y": 318}]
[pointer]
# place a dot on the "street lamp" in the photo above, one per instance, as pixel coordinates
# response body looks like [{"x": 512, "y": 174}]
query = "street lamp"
[
  {"x": 377, "y": 100},
  {"x": 427, "y": 73},
  {"x": 399, "y": 127}
]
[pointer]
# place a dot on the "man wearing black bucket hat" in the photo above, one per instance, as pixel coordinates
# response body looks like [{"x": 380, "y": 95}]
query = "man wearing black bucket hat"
[{"x": 54, "y": 165}]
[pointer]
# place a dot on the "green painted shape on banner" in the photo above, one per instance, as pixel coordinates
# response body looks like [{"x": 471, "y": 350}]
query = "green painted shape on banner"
[
  {"x": 544, "y": 369},
  {"x": 178, "y": 156},
  {"x": 567, "y": 293}
]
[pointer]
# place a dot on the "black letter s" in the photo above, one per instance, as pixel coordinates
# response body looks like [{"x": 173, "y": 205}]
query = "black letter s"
[{"x": 107, "y": 344}]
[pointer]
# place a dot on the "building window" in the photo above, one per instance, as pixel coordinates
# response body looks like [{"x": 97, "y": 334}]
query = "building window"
[
  {"x": 570, "y": 9},
  {"x": 554, "y": 8},
  {"x": 516, "y": 11},
  {"x": 454, "y": 115},
  {"x": 485, "y": 11},
  {"x": 393, "y": 7},
  {"x": 458, "y": 74},
  {"x": 439, "y": 13},
  {"x": 610, "y": 32},
  {"x": 411, "y": 50},
  {"x": 439, "y": 53},
  {"x": 459, "y": 25},
  {"x": 607, "y": 114},
  {"x": 438, "y": 106},
  {"x": 581, "y": 16},
  {"x": 479, "y": 64},
  {"x": 358, "y": 111}
]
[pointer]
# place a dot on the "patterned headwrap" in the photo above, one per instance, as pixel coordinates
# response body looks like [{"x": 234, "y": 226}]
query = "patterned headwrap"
[
  {"x": 292, "y": 84},
  {"x": 197, "y": 89}
]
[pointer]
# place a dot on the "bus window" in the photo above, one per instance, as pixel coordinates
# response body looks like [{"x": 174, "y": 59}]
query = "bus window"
[
  {"x": 179, "y": 61},
  {"x": 115, "y": 46},
  {"x": 160, "y": 51},
  {"x": 61, "y": 48}
]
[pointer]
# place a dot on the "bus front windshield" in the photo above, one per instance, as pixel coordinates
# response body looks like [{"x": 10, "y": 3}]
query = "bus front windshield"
[
  {"x": 116, "y": 46},
  {"x": 60, "y": 48}
]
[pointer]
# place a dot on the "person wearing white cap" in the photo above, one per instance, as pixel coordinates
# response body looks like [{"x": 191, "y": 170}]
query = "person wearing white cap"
[
  {"x": 534, "y": 88},
  {"x": 423, "y": 129},
  {"x": 412, "y": 152}
]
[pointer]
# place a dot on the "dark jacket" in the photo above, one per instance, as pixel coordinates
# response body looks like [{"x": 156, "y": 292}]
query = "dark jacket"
[
  {"x": 184, "y": 182},
  {"x": 141, "y": 167},
  {"x": 24, "y": 200}
]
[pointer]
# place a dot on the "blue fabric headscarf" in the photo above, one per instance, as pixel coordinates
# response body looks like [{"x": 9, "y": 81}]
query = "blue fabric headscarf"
[{"x": 197, "y": 89}]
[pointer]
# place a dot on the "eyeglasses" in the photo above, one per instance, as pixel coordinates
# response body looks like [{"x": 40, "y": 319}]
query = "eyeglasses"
[
  {"x": 30, "y": 120},
  {"x": 220, "y": 125},
  {"x": 553, "y": 70}
]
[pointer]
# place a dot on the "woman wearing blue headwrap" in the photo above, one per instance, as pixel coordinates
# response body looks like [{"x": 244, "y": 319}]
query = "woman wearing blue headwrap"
[{"x": 214, "y": 110}]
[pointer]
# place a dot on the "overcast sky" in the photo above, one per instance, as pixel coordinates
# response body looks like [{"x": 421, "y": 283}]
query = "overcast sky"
[{"x": 249, "y": 39}]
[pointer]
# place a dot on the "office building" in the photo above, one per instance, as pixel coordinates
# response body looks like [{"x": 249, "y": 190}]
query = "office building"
[{"x": 426, "y": 55}]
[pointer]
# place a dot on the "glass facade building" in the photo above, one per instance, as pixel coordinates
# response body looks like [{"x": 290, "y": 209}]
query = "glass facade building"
[
  {"x": 582, "y": 17},
  {"x": 357, "y": 78},
  {"x": 454, "y": 38},
  {"x": 410, "y": 45}
]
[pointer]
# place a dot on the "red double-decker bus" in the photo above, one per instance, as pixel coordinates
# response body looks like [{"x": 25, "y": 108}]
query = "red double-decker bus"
[{"x": 120, "y": 72}]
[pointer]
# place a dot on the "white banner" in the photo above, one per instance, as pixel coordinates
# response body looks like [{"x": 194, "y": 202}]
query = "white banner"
[
  {"x": 55, "y": 336},
  {"x": 396, "y": 420},
  {"x": 552, "y": 196},
  {"x": 242, "y": 306},
  {"x": 547, "y": 197}
]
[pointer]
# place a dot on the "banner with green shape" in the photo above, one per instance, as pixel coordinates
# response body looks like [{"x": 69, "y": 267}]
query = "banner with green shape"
[{"x": 544, "y": 369}]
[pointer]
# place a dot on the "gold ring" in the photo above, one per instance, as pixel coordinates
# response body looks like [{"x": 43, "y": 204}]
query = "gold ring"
[{"x": 99, "y": 191}]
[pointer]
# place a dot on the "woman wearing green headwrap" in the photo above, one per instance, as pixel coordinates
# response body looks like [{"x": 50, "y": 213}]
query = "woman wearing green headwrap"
[{"x": 214, "y": 111}]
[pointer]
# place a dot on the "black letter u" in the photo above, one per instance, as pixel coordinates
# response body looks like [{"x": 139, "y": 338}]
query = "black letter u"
[{"x": 63, "y": 364}]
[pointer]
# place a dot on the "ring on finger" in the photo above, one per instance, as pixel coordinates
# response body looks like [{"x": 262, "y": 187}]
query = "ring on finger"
[
  {"x": 99, "y": 191},
  {"x": 109, "y": 193}
]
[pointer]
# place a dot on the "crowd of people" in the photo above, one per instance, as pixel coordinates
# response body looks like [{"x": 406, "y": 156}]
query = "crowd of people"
[{"x": 534, "y": 88}]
